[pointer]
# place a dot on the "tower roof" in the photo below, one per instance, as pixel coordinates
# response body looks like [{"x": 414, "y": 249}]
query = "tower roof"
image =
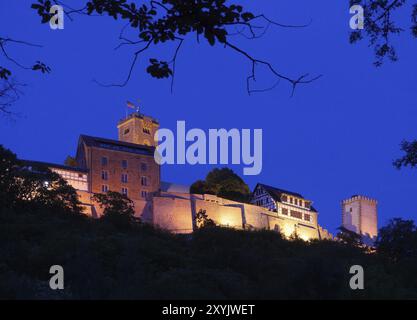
[{"x": 116, "y": 145}]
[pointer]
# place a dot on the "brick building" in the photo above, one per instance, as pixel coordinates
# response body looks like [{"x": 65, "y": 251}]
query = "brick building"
[{"x": 118, "y": 166}]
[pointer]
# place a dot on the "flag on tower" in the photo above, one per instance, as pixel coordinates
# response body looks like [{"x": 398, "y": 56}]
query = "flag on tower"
[{"x": 130, "y": 105}]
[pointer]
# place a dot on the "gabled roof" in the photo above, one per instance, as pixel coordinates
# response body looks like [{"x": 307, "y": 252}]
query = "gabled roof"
[
  {"x": 116, "y": 145},
  {"x": 52, "y": 165},
  {"x": 276, "y": 192}
]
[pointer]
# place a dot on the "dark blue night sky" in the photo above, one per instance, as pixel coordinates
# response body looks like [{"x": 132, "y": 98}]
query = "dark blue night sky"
[{"x": 336, "y": 137}]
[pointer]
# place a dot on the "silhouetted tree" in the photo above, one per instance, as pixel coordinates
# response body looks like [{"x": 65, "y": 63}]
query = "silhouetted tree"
[
  {"x": 398, "y": 239},
  {"x": 349, "y": 237},
  {"x": 70, "y": 162},
  {"x": 9, "y": 88},
  {"x": 118, "y": 209},
  {"x": 223, "y": 183},
  {"x": 157, "y": 22},
  {"x": 379, "y": 26},
  {"x": 410, "y": 157},
  {"x": 33, "y": 186},
  {"x": 202, "y": 220}
]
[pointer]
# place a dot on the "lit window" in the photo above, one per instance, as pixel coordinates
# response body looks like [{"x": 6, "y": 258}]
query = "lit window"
[
  {"x": 124, "y": 164},
  {"x": 124, "y": 177},
  {"x": 104, "y": 161},
  {"x": 296, "y": 214},
  {"x": 124, "y": 191}
]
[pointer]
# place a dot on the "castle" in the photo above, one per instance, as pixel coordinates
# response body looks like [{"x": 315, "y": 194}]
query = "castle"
[{"x": 127, "y": 165}]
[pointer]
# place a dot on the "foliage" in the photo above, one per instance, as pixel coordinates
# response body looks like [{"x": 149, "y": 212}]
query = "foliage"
[
  {"x": 410, "y": 157},
  {"x": 118, "y": 209},
  {"x": 202, "y": 220},
  {"x": 223, "y": 183},
  {"x": 101, "y": 261},
  {"x": 33, "y": 186},
  {"x": 71, "y": 162},
  {"x": 379, "y": 26},
  {"x": 9, "y": 88},
  {"x": 155, "y": 23},
  {"x": 398, "y": 239},
  {"x": 348, "y": 237}
]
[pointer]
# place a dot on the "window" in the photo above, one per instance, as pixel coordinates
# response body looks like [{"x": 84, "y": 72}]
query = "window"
[
  {"x": 144, "y": 181},
  {"x": 307, "y": 205},
  {"x": 285, "y": 211},
  {"x": 296, "y": 202},
  {"x": 300, "y": 203},
  {"x": 104, "y": 161},
  {"x": 104, "y": 175},
  {"x": 124, "y": 177},
  {"x": 124, "y": 164},
  {"x": 126, "y": 131},
  {"x": 104, "y": 188},
  {"x": 307, "y": 217},
  {"x": 144, "y": 194},
  {"x": 143, "y": 166},
  {"x": 296, "y": 214},
  {"x": 284, "y": 198},
  {"x": 147, "y": 131},
  {"x": 290, "y": 199},
  {"x": 124, "y": 191}
]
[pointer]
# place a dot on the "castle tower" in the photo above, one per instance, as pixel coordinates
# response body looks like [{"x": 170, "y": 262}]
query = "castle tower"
[
  {"x": 138, "y": 128},
  {"x": 359, "y": 214}
]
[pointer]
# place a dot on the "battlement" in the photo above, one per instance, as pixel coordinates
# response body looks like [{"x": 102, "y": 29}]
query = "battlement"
[
  {"x": 137, "y": 115},
  {"x": 359, "y": 198}
]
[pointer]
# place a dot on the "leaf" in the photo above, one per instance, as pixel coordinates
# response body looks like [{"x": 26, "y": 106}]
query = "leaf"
[{"x": 4, "y": 73}]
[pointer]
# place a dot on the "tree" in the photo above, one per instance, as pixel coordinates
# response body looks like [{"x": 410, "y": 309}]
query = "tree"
[
  {"x": 398, "y": 239},
  {"x": 9, "y": 94},
  {"x": 118, "y": 209},
  {"x": 410, "y": 157},
  {"x": 9, "y": 88},
  {"x": 157, "y": 22},
  {"x": 349, "y": 238},
  {"x": 70, "y": 162},
  {"x": 202, "y": 220},
  {"x": 379, "y": 26},
  {"x": 33, "y": 186},
  {"x": 223, "y": 183}
]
